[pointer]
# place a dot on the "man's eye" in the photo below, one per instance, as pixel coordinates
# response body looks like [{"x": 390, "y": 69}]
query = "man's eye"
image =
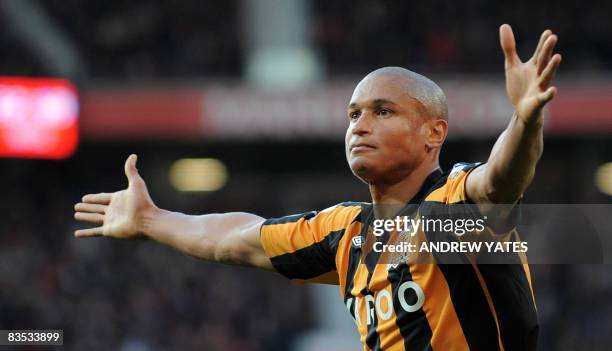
[
  {"x": 384, "y": 112},
  {"x": 354, "y": 115}
]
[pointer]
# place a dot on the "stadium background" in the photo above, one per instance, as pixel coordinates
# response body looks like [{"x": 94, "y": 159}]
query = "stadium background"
[{"x": 262, "y": 85}]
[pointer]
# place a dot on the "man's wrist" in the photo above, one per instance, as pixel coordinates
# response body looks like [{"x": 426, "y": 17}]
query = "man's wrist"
[
  {"x": 533, "y": 122},
  {"x": 147, "y": 221}
]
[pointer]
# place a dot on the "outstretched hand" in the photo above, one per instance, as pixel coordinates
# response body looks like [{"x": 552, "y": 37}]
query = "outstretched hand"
[
  {"x": 119, "y": 214},
  {"x": 528, "y": 83}
]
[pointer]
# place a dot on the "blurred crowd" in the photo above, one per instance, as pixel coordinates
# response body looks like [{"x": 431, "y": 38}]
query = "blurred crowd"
[
  {"x": 458, "y": 36},
  {"x": 139, "y": 296},
  {"x": 189, "y": 39},
  {"x": 125, "y": 295}
]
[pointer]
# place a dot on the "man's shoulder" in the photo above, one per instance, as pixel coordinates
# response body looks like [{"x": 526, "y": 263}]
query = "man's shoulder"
[
  {"x": 347, "y": 211},
  {"x": 450, "y": 187},
  {"x": 462, "y": 167},
  {"x": 347, "y": 205}
]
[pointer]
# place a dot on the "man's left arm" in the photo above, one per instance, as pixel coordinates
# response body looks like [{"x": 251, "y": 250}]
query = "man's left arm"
[{"x": 511, "y": 165}]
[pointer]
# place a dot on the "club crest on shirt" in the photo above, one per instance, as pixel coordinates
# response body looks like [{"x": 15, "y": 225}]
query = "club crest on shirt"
[{"x": 357, "y": 241}]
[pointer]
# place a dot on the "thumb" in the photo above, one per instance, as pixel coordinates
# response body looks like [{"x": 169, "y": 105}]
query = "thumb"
[
  {"x": 508, "y": 45},
  {"x": 130, "y": 168}
]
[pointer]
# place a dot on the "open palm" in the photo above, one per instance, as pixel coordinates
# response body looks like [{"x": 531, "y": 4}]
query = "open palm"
[
  {"x": 119, "y": 214},
  {"x": 528, "y": 83}
]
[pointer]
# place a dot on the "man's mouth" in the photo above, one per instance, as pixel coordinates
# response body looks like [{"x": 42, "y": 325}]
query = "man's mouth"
[{"x": 361, "y": 147}]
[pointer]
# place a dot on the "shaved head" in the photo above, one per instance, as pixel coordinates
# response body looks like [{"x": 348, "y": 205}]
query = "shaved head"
[
  {"x": 398, "y": 121},
  {"x": 419, "y": 87}
]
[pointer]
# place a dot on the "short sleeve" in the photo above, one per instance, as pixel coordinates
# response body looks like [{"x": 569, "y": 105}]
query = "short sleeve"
[
  {"x": 304, "y": 246},
  {"x": 456, "y": 182},
  {"x": 457, "y": 194}
]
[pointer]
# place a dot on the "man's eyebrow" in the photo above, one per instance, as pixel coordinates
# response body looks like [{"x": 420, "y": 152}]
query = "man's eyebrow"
[
  {"x": 382, "y": 101},
  {"x": 375, "y": 102}
]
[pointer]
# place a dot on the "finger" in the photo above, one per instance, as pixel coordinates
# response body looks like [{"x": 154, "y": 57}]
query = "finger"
[
  {"x": 543, "y": 38},
  {"x": 83, "y": 233},
  {"x": 508, "y": 44},
  {"x": 101, "y": 198},
  {"x": 548, "y": 95},
  {"x": 546, "y": 53},
  {"x": 549, "y": 72},
  {"x": 130, "y": 168},
  {"x": 93, "y": 208},
  {"x": 95, "y": 218}
]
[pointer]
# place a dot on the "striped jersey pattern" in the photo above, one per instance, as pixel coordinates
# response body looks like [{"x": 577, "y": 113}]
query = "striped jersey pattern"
[{"x": 408, "y": 306}]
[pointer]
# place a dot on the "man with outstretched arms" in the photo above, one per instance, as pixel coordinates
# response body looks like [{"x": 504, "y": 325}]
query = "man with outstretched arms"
[{"x": 397, "y": 124}]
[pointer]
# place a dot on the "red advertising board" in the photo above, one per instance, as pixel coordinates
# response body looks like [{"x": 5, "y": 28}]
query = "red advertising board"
[{"x": 38, "y": 118}]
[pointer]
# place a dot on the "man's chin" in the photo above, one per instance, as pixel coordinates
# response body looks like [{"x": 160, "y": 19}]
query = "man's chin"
[{"x": 363, "y": 172}]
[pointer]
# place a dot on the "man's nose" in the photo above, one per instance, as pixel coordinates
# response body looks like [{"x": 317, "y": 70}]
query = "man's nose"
[{"x": 363, "y": 125}]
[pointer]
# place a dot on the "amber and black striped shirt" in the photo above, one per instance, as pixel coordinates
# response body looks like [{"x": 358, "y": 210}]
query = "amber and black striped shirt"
[{"x": 408, "y": 306}]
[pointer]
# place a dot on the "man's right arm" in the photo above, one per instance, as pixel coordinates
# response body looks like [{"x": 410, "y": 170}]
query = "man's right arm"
[{"x": 229, "y": 238}]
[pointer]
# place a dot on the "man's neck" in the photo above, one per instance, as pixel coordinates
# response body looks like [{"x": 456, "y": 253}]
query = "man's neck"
[{"x": 397, "y": 194}]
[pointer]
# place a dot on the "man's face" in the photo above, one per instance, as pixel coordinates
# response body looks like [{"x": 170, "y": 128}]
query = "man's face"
[{"x": 385, "y": 139}]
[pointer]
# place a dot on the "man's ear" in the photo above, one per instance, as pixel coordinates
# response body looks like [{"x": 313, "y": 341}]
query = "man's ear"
[{"x": 437, "y": 129}]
